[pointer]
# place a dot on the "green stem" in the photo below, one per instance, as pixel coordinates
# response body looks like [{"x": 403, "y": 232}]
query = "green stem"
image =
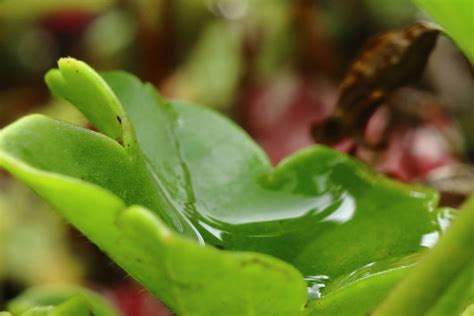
[{"x": 416, "y": 293}]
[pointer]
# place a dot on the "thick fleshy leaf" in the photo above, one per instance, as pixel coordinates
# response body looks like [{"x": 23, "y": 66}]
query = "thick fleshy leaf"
[
  {"x": 225, "y": 185},
  {"x": 94, "y": 98},
  {"x": 440, "y": 271},
  {"x": 195, "y": 173},
  {"x": 359, "y": 292},
  {"x": 190, "y": 278}
]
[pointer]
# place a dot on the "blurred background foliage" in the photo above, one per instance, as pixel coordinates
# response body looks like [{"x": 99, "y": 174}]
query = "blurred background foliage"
[{"x": 271, "y": 65}]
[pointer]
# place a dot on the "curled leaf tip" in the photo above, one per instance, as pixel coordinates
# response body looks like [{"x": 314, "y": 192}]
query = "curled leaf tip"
[{"x": 81, "y": 85}]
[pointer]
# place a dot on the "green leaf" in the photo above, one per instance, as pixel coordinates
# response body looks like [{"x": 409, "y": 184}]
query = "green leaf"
[
  {"x": 60, "y": 300},
  {"x": 75, "y": 306},
  {"x": 457, "y": 17},
  {"x": 225, "y": 185},
  {"x": 94, "y": 99},
  {"x": 442, "y": 271},
  {"x": 182, "y": 273},
  {"x": 457, "y": 296},
  {"x": 359, "y": 292},
  {"x": 185, "y": 176}
]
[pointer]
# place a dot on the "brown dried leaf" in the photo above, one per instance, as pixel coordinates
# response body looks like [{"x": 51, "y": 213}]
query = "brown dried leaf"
[{"x": 389, "y": 61}]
